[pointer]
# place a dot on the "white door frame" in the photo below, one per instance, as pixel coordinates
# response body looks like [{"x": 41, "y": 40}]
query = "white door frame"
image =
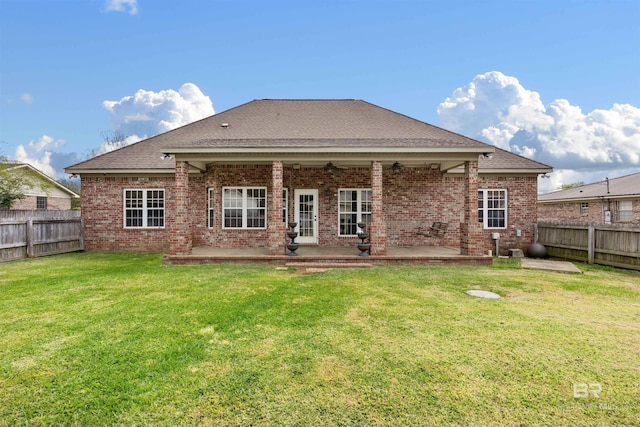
[{"x": 309, "y": 239}]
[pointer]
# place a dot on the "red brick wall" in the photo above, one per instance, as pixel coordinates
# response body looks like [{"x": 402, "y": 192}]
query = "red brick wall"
[
  {"x": 570, "y": 212},
  {"x": 102, "y": 210},
  {"x": 412, "y": 198},
  {"x": 53, "y": 203},
  {"x": 522, "y": 213}
]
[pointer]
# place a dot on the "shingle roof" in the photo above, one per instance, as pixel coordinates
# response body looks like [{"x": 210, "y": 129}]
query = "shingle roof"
[
  {"x": 9, "y": 166},
  {"x": 628, "y": 185},
  {"x": 291, "y": 124},
  {"x": 504, "y": 160}
]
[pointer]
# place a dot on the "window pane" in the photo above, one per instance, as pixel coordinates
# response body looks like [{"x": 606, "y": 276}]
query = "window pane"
[
  {"x": 210, "y": 208},
  {"x": 41, "y": 202},
  {"x": 625, "y": 210},
  {"x": 492, "y": 208},
  {"x": 348, "y": 224},
  {"x": 306, "y": 204},
  {"x": 365, "y": 203},
  {"x": 133, "y": 199},
  {"x": 232, "y": 198},
  {"x": 354, "y": 206},
  {"x": 133, "y": 218},
  {"x": 256, "y": 218},
  {"x": 285, "y": 205},
  {"x": 233, "y": 218},
  {"x": 366, "y": 218}
]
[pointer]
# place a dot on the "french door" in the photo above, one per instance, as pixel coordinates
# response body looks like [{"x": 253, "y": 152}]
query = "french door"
[{"x": 306, "y": 215}]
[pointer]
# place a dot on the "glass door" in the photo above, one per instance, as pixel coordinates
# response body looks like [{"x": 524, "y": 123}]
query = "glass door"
[{"x": 306, "y": 215}]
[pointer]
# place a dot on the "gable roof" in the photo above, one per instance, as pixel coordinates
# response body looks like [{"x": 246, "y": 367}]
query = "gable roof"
[
  {"x": 14, "y": 166},
  {"x": 267, "y": 127},
  {"x": 624, "y": 186}
]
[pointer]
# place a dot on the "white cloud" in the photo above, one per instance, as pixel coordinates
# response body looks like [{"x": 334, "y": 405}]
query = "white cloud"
[
  {"x": 44, "y": 142},
  {"x": 499, "y": 110},
  {"x": 129, "y": 6},
  {"x": 148, "y": 113},
  {"x": 27, "y": 98},
  {"x": 35, "y": 154}
]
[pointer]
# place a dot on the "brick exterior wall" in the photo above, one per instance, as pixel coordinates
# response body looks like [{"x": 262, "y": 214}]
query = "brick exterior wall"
[
  {"x": 53, "y": 203},
  {"x": 180, "y": 237},
  {"x": 276, "y": 227},
  {"x": 570, "y": 212},
  {"x": 378, "y": 226},
  {"x": 415, "y": 197}
]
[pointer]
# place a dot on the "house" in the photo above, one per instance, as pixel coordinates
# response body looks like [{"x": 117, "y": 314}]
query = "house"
[
  {"x": 612, "y": 201},
  {"x": 235, "y": 180},
  {"x": 42, "y": 192}
]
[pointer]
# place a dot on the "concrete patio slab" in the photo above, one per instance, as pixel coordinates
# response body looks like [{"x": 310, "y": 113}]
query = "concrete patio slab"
[{"x": 548, "y": 265}]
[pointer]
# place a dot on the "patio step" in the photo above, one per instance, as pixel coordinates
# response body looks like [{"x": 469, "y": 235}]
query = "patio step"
[{"x": 303, "y": 264}]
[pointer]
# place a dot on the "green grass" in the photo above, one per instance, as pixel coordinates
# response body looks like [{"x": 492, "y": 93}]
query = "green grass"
[{"x": 119, "y": 339}]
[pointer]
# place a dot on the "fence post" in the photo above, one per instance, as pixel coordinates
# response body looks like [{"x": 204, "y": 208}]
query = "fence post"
[
  {"x": 30, "y": 253},
  {"x": 591, "y": 245},
  {"x": 81, "y": 238}
]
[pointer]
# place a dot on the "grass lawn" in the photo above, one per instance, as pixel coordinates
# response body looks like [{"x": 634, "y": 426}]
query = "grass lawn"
[{"x": 119, "y": 339}]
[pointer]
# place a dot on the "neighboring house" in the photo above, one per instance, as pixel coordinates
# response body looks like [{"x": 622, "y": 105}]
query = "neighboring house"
[
  {"x": 234, "y": 179},
  {"x": 44, "y": 193},
  {"x": 611, "y": 201}
]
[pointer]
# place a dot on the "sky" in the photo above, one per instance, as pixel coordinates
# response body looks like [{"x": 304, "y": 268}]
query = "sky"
[{"x": 556, "y": 81}]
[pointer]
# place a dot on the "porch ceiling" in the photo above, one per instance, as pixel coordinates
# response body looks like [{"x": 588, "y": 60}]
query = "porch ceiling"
[{"x": 442, "y": 160}]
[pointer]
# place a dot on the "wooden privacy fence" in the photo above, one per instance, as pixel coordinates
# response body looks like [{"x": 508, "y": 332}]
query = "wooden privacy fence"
[
  {"x": 596, "y": 244},
  {"x": 34, "y": 237}
]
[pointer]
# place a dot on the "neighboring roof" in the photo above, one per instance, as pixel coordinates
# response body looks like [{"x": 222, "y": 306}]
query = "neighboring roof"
[
  {"x": 286, "y": 126},
  {"x": 17, "y": 165},
  {"x": 624, "y": 186}
]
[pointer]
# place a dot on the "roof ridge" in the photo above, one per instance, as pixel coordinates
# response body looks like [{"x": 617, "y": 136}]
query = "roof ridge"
[{"x": 309, "y": 99}]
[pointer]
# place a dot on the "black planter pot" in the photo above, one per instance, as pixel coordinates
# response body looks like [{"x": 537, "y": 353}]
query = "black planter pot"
[
  {"x": 292, "y": 248},
  {"x": 364, "y": 248}
]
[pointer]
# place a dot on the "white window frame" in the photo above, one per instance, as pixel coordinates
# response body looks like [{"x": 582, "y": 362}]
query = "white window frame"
[
  {"x": 244, "y": 208},
  {"x": 285, "y": 205},
  {"x": 625, "y": 215},
  {"x": 359, "y": 212},
  {"x": 145, "y": 209},
  {"x": 41, "y": 203},
  {"x": 485, "y": 208},
  {"x": 584, "y": 208},
  {"x": 210, "y": 207}
]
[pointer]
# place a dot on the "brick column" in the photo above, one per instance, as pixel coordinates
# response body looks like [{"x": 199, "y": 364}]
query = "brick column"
[
  {"x": 378, "y": 226},
  {"x": 276, "y": 228},
  {"x": 180, "y": 241},
  {"x": 471, "y": 234}
]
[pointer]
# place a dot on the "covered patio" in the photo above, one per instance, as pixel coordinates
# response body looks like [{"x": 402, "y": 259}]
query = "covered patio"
[{"x": 330, "y": 256}]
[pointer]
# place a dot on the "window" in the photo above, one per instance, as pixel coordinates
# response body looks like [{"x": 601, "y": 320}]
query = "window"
[
  {"x": 584, "y": 208},
  {"x": 41, "y": 203},
  {"x": 625, "y": 211},
  {"x": 210, "y": 208},
  {"x": 285, "y": 205},
  {"x": 492, "y": 208},
  {"x": 354, "y": 206},
  {"x": 244, "y": 207},
  {"x": 144, "y": 208}
]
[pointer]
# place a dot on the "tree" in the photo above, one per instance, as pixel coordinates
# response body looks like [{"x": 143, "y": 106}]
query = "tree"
[
  {"x": 14, "y": 181},
  {"x": 73, "y": 185},
  {"x": 111, "y": 140},
  {"x": 573, "y": 185}
]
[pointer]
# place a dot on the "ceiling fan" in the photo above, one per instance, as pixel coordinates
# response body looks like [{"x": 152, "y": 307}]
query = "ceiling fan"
[{"x": 331, "y": 167}]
